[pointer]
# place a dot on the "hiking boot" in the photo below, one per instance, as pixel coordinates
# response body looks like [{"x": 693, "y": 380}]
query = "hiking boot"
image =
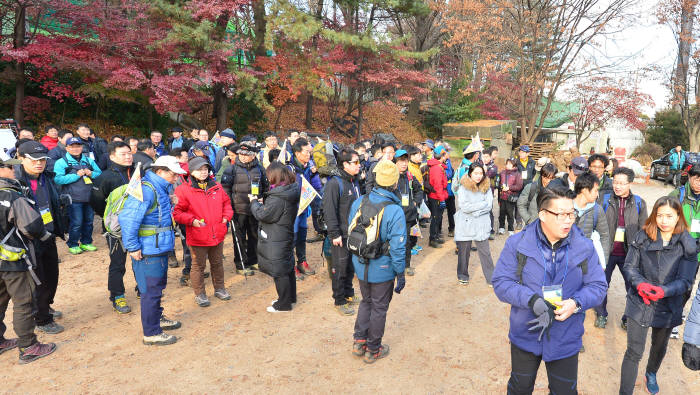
[
  {"x": 51, "y": 328},
  {"x": 474, "y": 248},
  {"x": 371, "y": 356},
  {"x": 255, "y": 267},
  {"x": 359, "y": 347},
  {"x": 168, "y": 324},
  {"x": 120, "y": 306},
  {"x": 202, "y": 300},
  {"x": 8, "y": 344},
  {"x": 652, "y": 385},
  {"x": 35, "y": 351},
  {"x": 138, "y": 292},
  {"x": 345, "y": 309},
  {"x": 463, "y": 282},
  {"x": 306, "y": 269},
  {"x": 317, "y": 238},
  {"x": 184, "y": 280},
  {"x": 414, "y": 251},
  {"x": 492, "y": 236},
  {"x": 161, "y": 339},
  {"x": 353, "y": 300},
  {"x": 55, "y": 313},
  {"x": 450, "y": 233},
  {"x": 206, "y": 275},
  {"x": 434, "y": 244},
  {"x": 410, "y": 271},
  {"x": 299, "y": 275},
  {"x": 75, "y": 250},
  {"x": 88, "y": 247},
  {"x": 245, "y": 272},
  {"x": 172, "y": 261},
  {"x": 623, "y": 324},
  {"x": 441, "y": 240},
  {"x": 222, "y": 294},
  {"x": 601, "y": 321},
  {"x": 675, "y": 333}
]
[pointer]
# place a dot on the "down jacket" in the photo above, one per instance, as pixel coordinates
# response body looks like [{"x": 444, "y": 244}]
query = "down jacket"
[
  {"x": 671, "y": 267},
  {"x": 71, "y": 183},
  {"x": 237, "y": 181},
  {"x": 211, "y": 204},
  {"x": 135, "y": 214},
  {"x": 438, "y": 180},
  {"x": 409, "y": 185},
  {"x": 586, "y": 221},
  {"x": 337, "y": 206},
  {"x": 475, "y": 201},
  {"x": 512, "y": 179},
  {"x": 276, "y": 217},
  {"x": 635, "y": 217},
  {"x": 571, "y": 255}
]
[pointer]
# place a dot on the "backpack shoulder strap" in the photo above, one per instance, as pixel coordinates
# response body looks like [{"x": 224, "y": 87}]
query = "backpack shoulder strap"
[
  {"x": 584, "y": 266},
  {"x": 681, "y": 193},
  {"x": 595, "y": 215},
  {"x": 522, "y": 260},
  {"x": 155, "y": 203},
  {"x": 638, "y": 203},
  {"x": 606, "y": 202}
]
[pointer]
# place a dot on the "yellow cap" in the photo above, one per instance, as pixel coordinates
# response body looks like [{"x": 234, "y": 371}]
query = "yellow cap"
[{"x": 387, "y": 174}]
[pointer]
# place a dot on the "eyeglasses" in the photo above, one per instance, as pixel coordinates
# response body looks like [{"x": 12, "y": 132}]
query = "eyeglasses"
[
  {"x": 621, "y": 184},
  {"x": 561, "y": 217},
  {"x": 354, "y": 162}
]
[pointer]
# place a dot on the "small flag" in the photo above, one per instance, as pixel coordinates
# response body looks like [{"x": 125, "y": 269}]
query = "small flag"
[
  {"x": 308, "y": 194},
  {"x": 134, "y": 187},
  {"x": 216, "y": 138},
  {"x": 282, "y": 158}
]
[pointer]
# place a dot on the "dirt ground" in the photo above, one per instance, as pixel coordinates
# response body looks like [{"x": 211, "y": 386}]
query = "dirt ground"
[{"x": 444, "y": 338}]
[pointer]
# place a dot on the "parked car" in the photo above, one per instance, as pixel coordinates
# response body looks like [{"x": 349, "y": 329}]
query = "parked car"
[{"x": 661, "y": 168}]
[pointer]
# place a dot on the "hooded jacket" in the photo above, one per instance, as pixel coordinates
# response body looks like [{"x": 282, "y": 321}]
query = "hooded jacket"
[
  {"x": 24, "y": 222},
  {"x": 527, "y": 202},
  {"x": 474, "y": 202},
  {"x": 672, "y": 267},
  {"x": 437, "y": 179},
  {"x": 633, "y": 220},
  {"x": 48, "y": 142},
  {"x": 569, "y": 255},
  {"x": 211, "y": 204},
  {"x": 276, "y": 217},
  {"x": 513, "y": 180},
  {"x": 677, "y": 159},
  {"x": 78, "y": 187},
  {"x": 58, "y": 152},
  {"x": 586, "y": 221},
  {"x": 237, "y": 181},
  {"x": 691, "y": 205},
  {"x": 337, "y": 207},
  {"x": 409, "y": 186},
  {"x": 393, "y": 230}
]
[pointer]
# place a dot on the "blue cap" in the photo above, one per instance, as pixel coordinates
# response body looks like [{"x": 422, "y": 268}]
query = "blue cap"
[
  {"x": 429, "y": 143},
  {"x": 74, "y": 140},
  {"x": 228, "y": 133},
  {"x": 525, "y": 148},
  {"x": 201, "y": 145},
  {"x": 400, "y": 153},
  {"x": 439, "y": 150}
]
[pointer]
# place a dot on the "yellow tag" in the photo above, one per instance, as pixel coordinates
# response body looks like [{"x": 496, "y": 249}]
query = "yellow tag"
[
  {"x": 552, "y": 293},
  {"x": 254, "y": 189},
  {"x": 87, "y": 180},
  {"x": 620, "y": 235},
  {"x": 46, "y": 216},
  {"x": 404, "y": 200}
]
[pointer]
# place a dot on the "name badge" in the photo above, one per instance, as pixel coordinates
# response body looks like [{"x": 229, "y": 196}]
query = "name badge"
[
  {"x": 404, "y": 200},
  {"x": 46, "y": 215},
  {"x": 92, "y": 155},
  {"x": 254, "y": 188},
  {"x": 87, "y": 180},
  {"x": 552, "y": 293},
  {"x": 695, "y": 225},
  {"x": 620, "y": 235},
  {"x": 524, "y": 174}
]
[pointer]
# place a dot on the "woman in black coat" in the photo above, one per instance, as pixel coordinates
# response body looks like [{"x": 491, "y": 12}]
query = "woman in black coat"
[
  {"x": 276, "y": 217},
  {"x": 660, "y": 267}
]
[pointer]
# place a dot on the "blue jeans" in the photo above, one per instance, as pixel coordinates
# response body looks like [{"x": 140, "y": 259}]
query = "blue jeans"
[
  {"x": 81, "y": 218},
  {"x": 151, "y": 275}
]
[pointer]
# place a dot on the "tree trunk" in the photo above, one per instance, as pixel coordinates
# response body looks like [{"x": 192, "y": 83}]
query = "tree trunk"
[
  {"x": 260, "y": 27},
  {"x": 360, "y": 106},
  {"x": 309, "y": 111},
  {"x": 18, "y": 39},
  {"x": 220, "y": 107},
  {"x": 694, "y": 135},
  {"x": 680, "y": 85},
  {"x": 150, "y": 118}
]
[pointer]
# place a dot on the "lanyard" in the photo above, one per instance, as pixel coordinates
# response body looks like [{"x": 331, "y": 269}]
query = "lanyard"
[{"x": 554, "y": 264}]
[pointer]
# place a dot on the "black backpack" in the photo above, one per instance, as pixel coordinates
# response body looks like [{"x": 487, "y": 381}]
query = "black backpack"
[{"x": 363, "y": 231}]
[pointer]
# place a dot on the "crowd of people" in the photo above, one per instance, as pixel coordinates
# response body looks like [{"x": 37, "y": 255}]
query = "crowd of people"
[{"x": 368, "y": 203}]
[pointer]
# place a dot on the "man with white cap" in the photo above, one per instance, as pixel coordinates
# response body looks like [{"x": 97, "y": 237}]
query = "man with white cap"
[{"x": 148, "y": 236}]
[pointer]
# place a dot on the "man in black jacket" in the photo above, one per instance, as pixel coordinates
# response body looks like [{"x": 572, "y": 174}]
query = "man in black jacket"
[
  {"x": 245, "y": 177},
  {"x": 42, "y": 191},
  {"x": 410, "y": 192},
  {"x": 145, "y": 155},
  {"x": 117, "y": 174},
  {"x": 340, "y": 192},
  {"x": 21, "y": 225}
]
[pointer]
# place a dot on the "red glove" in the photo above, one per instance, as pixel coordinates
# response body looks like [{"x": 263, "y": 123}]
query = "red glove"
[
  {"x": 655, "y": 293},
  {"x": 643, "y": 289}
]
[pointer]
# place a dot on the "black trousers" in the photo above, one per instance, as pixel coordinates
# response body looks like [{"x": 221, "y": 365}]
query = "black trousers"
[
  {"x": 411, "y": 242},
  {"x": 451, "y": 210},
  {"x": 371, "y": 317},
  {"x": 186, "y": 254},
  {"x": 247, "y": 235},
  {"x": 562, "y": 374},
  {"x": 636, "y": 340},
  {"x": 342, "y": 273},
  {"x": 117, "y": 267},
  {"x": 506, "y": 209},
  {"x": 286, "y": 292},
  {"x": 435, "y": 218},
  {"x": 47, "y": 271},
  {"x": 18, "y": 287}
]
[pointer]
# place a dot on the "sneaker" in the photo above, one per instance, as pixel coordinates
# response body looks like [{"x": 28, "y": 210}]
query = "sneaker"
[
  {"x": 51, "y": 328},
  {"x": 202, "y": 300},
  {"x": 371, "y": 356},
  {"x": 434, "y": 244},
  {"x": 245, "y": 272},
  {"x": 88, "y": 247},
  {"x": 299, "y": 275},
  {"x": 205, "y": 275},
  {"x": 35, "y": 351},
  {"x": 184, "y": 280},
  {"x": 492, "y": 236},
  {"x": 623, "y": 324},
  {"x": 601, "y": 321},
  {"x": 463, "y": 282},
  {"x": 474, "y": 248},
  {"x": 222, "y": 294},
  {"x": 410, "y": 271},
  {"x": 138, "y": 292},
  {"x": 161, "y": 339},
  {"x": 501, "y": 231},
  {"x": 168, "y": 324},
  {"x": 271, "y": 309},
  {"x": 450, "y": 233},
  {"x": 345, "y": 309},
  {"x": 414, "y": 251},
  {"x": 583, "y": 349},
  {"x": 55, "y": 313},
  {"x": 652, "y": 385},
  {"x": 519, "y": 225},
  {"x": 172, "y": 261},
  {"x": 675, "y": 333},
  {"x": 354, "y": 300},
  {"x": 120, "y": 306},
  {"x": 75, "y": 250},
  {"x": 275, "y": 301},
  {"x": 8, "y": 344},
  {"x": 359, "y": 347},
  {"x": 511, "y": 233},
  {"x": 306, "y": 269},
  {"x": 255, "y": 267},
  {"x": 418, "y": 248}
]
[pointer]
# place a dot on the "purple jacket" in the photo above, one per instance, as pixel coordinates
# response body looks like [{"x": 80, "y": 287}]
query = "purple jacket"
[{"x": 564, "y": 338}]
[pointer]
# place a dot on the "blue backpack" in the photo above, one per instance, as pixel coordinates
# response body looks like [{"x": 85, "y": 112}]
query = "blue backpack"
[{"x": 637, "y": 202}]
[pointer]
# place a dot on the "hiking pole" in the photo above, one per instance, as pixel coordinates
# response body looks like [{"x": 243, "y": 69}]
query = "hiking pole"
[{"x": 240, "y": 256}]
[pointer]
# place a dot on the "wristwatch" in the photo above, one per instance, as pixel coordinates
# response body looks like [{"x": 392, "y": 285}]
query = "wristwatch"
[{"x": 578, "y": 305}]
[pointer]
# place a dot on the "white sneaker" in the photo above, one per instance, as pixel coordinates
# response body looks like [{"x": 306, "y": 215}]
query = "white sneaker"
[
  {"x": 501, "y": 231},
  {"x": 675, "y": 333},
  {"x": 511, "y": 233},
  {"x": 160, "y": 339},
  {"x": 271, "y": 309}
]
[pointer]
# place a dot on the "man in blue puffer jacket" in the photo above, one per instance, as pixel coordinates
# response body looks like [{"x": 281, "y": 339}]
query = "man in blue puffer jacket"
[
  {"x": 147, "y": 234},
  {"x": 677, "y": 158},
  {"x": 550, "y": 275},
  {"x": 377, "y": 287}
]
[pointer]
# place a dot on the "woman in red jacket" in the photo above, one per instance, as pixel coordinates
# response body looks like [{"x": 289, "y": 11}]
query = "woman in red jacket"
[
  {"x": 509, "y": 187},
  {"x": 436, "y": 187},
  {"x": 205, "y": 209}
]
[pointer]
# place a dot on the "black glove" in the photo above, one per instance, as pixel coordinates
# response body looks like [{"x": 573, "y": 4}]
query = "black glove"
[
  {"x": 544, "y": 313},
  {"x": 400, "y": 283}
]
